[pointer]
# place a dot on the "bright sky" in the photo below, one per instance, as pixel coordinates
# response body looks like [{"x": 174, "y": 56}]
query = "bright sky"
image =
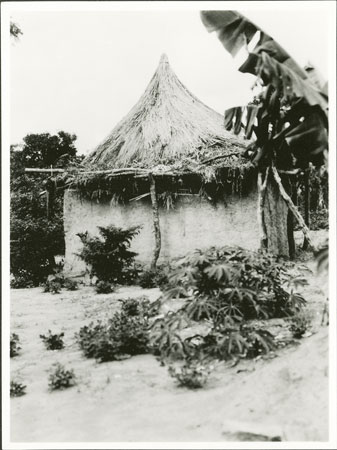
[{"x": 81, "y": 72}]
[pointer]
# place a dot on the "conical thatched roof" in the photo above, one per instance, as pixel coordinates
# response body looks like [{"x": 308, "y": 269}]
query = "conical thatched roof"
[{"x": 167, "y": 125}]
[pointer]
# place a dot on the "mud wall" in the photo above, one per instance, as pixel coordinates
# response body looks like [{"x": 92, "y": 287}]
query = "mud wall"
[{"x": 193, "y": 223}]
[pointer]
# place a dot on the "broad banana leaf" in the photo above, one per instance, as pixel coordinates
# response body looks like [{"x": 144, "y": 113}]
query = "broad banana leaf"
[
  {"x": 292, "y": 114},
  {"x": 236, "y": 31}
]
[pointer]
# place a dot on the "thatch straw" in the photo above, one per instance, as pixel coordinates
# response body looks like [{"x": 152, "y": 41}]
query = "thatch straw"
[{"x": 167, "y": 125}]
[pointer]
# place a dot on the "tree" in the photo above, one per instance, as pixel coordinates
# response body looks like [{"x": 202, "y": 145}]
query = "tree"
[
  {"x": 289, "y": 122},
  {"x": 36, "y": 238},
  {"x": 45, "y": 150},
  {"x": 15, "y": 30}
]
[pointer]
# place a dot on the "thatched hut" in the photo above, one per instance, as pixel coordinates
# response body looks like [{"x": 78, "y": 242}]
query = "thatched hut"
[{"x": 171, "y": 167}]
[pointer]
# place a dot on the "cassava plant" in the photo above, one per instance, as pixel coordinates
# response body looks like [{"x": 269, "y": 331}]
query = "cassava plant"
[
  {"x": 226, "y": 288},
  {"x": 109, "y": 257},
  {"x": 14, "y": 345},
  {"x": 53, "y": 341},
  {"x": 61, "y": 378},
  {"x": 17, "y": 389}
]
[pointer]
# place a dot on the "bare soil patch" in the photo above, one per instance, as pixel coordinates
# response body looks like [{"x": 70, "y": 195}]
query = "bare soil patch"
[{"x": 136, "y": 399}]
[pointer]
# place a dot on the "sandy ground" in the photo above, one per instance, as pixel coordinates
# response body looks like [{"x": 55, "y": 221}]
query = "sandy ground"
[{"x": 136, "y": 399}]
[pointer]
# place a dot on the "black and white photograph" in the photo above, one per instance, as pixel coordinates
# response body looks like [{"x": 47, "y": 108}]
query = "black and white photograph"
[{"x": 168, "y": 224}]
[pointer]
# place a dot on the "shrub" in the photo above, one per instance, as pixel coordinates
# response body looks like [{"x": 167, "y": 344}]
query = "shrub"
[
  {"x": 126, "y": 333},
  {"x": 109, "y": 257},
  {"x": 193, "y": 375},
  {"x": 14, "y": 345},
  {"x": 104, "y": 287},
  {"x": 70, "y": 285},
  {"x": 300, "y": 324},
  {"x": 53, "y": 341},
  {"x": 21, "y": 280},
  {"x": 54, "y": 283},
  {"x": 61, "y": 378},
  {"x": 153, "y": 278},
  {"x": 140, "y": 306},
  {"x": 17, "y": 389}
]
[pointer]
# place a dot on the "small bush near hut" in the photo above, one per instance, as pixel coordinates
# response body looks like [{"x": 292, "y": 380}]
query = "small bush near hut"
[
  {"x": 140, "y": 306},
  {"x": 300, "y": 324},
  {"x": 53, "y": 341},
  {"x": 17, "y": 389},
  {"x": 104, "y": 287},
  {"x": 109, "y": 256},
  {"x": 153, "y": 278},
  {"x": 193, "y": 375},
  {"x": 124, "y": 334},
  {"x": 53, "y": 284},
  {"x": 14, "y": 345},
  {"x": 70, "y": 285},
  {"x": 61, "y": 378},
  {"x": 21, "y": 280}
]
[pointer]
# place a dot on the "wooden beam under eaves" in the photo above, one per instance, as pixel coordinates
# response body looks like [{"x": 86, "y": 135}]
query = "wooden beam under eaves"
[{"x": 29, "y": 169}]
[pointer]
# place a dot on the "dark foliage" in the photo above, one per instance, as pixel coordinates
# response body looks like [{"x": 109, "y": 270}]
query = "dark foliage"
[
  {"x": 227, "y": 288},
  {"x": 17, "y": 389},
  {"x": 231, "y": 282},
  {"x": 22, "y": 280},
  {"x": 70, "y": 285},
  {"x": 109, "y": 257},
  {"x": 53, "y": 341},
  {"x": 104, "y": 287},
  {"x": 14, "y": 345},
  {"x": 191, "y": 374},
  {"x": 300, "y": 324},
  {"x": 44, "y": 150},
  {"x": 153, "y": 278},
  {"x": 15, "y": 30},
  {"x": 61, "y": 378},
  {"x": 35, "y": 240},
  {"x": 125, "y": 333}
]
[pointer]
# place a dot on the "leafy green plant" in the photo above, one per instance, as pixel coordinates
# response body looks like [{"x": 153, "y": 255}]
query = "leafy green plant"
[
  {"x": 193, "y": 375},
  {"x": 17, "y": 389},
  {"x": 21, "y": 280},
  {"x": 61, "y": 378},
  {"x": 140, "y": 306},
  {"x": 230, "y": 282},
  {"x": 125, "y": 333},
  {"x": 70, "y": 285},
  {"x": 226, "y": 289},
  {"x": 104, "y": 287},
  {"x": 109, "y": 256},
  {"x": 14, "y": 345},
  {"x": 54, "y": 283},
  {"x": 242, "y": 341},
  {"x": 153, "y": 278},
  {"x": 53, "y": 341},
  {"x": 300, "y": 324}
]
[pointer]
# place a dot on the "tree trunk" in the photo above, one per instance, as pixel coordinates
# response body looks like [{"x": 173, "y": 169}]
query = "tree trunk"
[
  {"x": 290, "y": 220},
  {"x": 261, "y": 189},
  {"x": 306, "y": 206},
  {"x": 156, "y": 223},
  {"x": 276, "y": 220}
]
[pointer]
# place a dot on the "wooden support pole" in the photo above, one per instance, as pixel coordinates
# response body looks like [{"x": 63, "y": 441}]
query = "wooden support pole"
[
  {"x": 156, "y": 224},
  {"x": 292, "y": 207},
  {"x": 261, "y": 185}
]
